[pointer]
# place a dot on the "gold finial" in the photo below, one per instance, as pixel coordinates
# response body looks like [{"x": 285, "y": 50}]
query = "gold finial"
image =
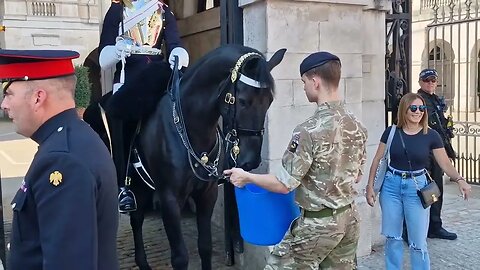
[
  {"x": 236, "y": 150},
  {"x": 204, "y": 158}
]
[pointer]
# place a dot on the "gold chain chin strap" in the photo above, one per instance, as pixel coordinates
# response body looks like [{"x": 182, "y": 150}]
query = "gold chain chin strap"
[{"x": 239, "y": 64}]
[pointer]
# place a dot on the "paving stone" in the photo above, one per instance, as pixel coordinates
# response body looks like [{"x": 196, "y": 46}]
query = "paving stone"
[{"x": 458, "y": 216}]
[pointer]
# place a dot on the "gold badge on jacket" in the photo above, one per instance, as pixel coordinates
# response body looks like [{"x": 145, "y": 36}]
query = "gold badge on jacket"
[{"x": 56, "y": 178}]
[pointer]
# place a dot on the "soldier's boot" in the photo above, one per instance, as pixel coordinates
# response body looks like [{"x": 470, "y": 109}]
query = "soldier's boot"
[{"x": 126, "y": 201}]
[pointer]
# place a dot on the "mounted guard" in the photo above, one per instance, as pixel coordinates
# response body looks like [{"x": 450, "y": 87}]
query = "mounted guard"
[{"x": 132, "y": 37}]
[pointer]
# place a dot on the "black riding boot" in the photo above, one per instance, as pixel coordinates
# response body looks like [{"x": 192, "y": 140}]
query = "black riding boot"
[{"x": 126, "y": 198}]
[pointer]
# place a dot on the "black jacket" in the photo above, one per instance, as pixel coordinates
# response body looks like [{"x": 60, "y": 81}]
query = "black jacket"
[
  {"x": 134, "y": 63},
  {"x": 65, "y": 212},
  {"x": 437, "y": 119}
]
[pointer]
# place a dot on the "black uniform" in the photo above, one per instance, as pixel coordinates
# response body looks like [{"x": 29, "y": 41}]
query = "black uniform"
[
  {"x": 131, "y": 103},
  {"x": 438, "y": 122},
  {"x": 65, "y": 212},
  {"x": 134, "y": 63}
]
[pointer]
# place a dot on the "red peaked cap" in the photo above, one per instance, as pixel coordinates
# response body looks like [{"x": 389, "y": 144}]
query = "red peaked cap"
[{"x": 25, "y": 65}]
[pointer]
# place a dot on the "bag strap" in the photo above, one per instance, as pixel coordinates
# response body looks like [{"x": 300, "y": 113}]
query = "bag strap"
[
  {"x": 405, "y": 150},
  {"x": 389, "y": 140},
  {"x": 429, "y": 178}
]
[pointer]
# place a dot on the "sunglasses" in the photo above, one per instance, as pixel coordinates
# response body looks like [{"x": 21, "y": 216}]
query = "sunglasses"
[
  {"x": 413, "y": 108},
  {"x": 429, "y": 80}
]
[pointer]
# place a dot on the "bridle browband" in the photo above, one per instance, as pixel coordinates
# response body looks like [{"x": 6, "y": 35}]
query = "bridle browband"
[{"x": 231, "y": 136}]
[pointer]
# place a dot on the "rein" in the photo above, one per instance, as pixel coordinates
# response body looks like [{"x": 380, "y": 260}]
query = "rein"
[
  {"x": 231, "y": 138},
  {"x": 178, "y": 120}
]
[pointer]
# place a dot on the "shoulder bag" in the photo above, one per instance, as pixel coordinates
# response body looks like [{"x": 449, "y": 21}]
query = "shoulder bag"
[
  {"x": 383, "y": 164},
  {"x": 428, "y": 194}
]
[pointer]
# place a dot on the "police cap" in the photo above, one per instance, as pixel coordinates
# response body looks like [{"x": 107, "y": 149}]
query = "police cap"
[
  {"x": 315, "y": 60},
  {"x": 24, "y": 65},
  {"x": 427, "y": 73}
]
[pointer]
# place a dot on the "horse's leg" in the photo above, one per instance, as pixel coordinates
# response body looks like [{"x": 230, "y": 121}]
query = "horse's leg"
[
  {"x": 136, "y": 221},
  {"x": 205, "y": 203},
  {"x": 228, "y": 193},
  {"x": 237, "y": 238},
  {"x": 171, "y": 216}
]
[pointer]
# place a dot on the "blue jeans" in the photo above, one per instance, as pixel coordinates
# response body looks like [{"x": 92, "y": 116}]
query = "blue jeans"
[{"x": 399, "y": 201}]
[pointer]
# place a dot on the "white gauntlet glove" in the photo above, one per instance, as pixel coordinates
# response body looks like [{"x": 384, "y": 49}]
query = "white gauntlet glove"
[
  {"x": 183, "y": 58},
  {"x": 110, "y": 55}
]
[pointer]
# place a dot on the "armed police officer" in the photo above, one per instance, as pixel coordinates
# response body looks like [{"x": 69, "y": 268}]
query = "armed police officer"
[
  {"x": 323, "y": 160},
  {"x": 436, "y": 108},
  {"x": 65, "y": 211},
  {"x": 132, "y": 37}
]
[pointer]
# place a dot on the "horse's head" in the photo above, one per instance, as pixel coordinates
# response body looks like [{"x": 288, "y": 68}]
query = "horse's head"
[{"x": 245, "y": 102}]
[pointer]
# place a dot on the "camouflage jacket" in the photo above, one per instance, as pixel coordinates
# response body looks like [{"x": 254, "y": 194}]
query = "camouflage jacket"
[{"x": 325, "y": 156}]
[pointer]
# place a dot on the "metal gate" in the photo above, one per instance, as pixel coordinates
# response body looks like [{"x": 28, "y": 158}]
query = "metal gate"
[
  {"x": 452, "y": 48},
  {"x": 398, "y": 25}
]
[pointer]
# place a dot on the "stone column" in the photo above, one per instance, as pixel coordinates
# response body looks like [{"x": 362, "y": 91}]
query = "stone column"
[{"x": 352, "y": 29}]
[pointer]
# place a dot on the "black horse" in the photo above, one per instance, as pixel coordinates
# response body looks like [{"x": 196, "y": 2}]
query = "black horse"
[{"x": 184, "y": 148}]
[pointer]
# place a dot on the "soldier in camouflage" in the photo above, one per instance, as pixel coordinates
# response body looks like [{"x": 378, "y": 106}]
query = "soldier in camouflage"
[{"x": 324, "y": 158}]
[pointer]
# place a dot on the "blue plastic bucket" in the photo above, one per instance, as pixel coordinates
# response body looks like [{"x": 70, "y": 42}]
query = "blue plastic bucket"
[{"x": 264, "y": 216}]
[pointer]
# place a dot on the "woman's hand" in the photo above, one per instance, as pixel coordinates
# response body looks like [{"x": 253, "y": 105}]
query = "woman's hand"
[
  {"x": 370, "y": 196},
  {"x": 238, "y": 177},
  {"x": 465, "y": 188}
]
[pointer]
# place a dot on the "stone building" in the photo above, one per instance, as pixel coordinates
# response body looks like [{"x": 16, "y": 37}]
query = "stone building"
[{"x": 446, "y": 36}]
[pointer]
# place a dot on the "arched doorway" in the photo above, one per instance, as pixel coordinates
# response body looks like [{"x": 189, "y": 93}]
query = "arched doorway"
[{"x": 442, "y": 61}]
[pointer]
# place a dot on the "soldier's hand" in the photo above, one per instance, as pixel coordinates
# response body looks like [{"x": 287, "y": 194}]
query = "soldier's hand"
[
  {"x": 123, "y": 47},
  {"x": 183, "y": 58},
  {"x": 238, "y": 177},
  {"x": 370, "y": 196}
]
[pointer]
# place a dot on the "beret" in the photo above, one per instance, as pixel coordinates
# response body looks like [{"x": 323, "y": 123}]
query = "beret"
[{"x": 315, "y": 60}]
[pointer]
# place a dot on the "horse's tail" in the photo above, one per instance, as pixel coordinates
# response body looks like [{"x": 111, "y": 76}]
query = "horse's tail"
[{"x": 93, "y": 116}]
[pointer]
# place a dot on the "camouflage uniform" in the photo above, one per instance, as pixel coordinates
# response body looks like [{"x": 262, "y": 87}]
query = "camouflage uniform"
[{"x": 325, "y": 156}]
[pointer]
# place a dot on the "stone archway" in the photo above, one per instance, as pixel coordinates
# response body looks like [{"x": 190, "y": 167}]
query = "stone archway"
[{"x": 441, "y": 57}]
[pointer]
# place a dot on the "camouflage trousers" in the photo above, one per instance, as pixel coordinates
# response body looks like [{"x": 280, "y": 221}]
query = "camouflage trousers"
[{"x": 318, "y": 243}]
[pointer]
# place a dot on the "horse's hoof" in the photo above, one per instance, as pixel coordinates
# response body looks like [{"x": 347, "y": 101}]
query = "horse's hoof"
[
  {"x": 143, "y": 266},
  {"x": 228, "y": 259},
  {"x": 238, "y": 246},
  {"x": 147, "y": 267}
]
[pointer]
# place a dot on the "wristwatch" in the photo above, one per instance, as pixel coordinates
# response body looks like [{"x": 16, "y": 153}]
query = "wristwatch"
[{"x": 458, "y": 179}]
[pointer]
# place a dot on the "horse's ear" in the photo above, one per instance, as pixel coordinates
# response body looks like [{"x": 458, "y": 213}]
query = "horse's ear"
[{"x": 276, "y": 58}]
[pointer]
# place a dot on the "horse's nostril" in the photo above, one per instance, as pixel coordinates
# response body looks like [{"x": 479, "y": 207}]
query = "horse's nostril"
[{"x": 250, "y": 165}]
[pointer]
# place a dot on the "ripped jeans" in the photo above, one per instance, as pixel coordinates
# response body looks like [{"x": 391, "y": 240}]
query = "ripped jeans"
[{"x": 399, "y": 201}]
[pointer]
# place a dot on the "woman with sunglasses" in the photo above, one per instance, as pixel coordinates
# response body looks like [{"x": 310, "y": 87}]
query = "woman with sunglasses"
[{"x": 406, "y": 174}]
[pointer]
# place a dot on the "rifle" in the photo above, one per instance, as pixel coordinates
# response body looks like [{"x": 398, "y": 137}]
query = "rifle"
[{"x": 437, "y": 125}]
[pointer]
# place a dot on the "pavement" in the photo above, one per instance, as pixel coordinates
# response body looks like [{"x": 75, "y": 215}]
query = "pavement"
[{"x": 459, "y": 216}]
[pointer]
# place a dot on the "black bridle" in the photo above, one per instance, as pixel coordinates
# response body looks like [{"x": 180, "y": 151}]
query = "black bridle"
[{"x": 231, "y": 131}]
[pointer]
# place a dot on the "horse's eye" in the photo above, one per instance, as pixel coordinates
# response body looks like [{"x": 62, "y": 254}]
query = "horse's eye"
[{"x": 242, "y": 102}]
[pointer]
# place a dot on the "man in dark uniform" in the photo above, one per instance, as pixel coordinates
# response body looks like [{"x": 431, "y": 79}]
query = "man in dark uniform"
[
  {"x": 129, "y": 104},
  {"x": 436, "y": 108},
  {"x": 65, "y": 212}
]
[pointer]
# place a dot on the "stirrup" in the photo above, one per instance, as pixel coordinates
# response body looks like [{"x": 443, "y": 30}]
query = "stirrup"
[{"x": 126, "y": 201}]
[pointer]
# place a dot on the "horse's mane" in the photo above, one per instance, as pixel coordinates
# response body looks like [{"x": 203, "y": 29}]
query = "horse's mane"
[{"x": 228, "y": 55}]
